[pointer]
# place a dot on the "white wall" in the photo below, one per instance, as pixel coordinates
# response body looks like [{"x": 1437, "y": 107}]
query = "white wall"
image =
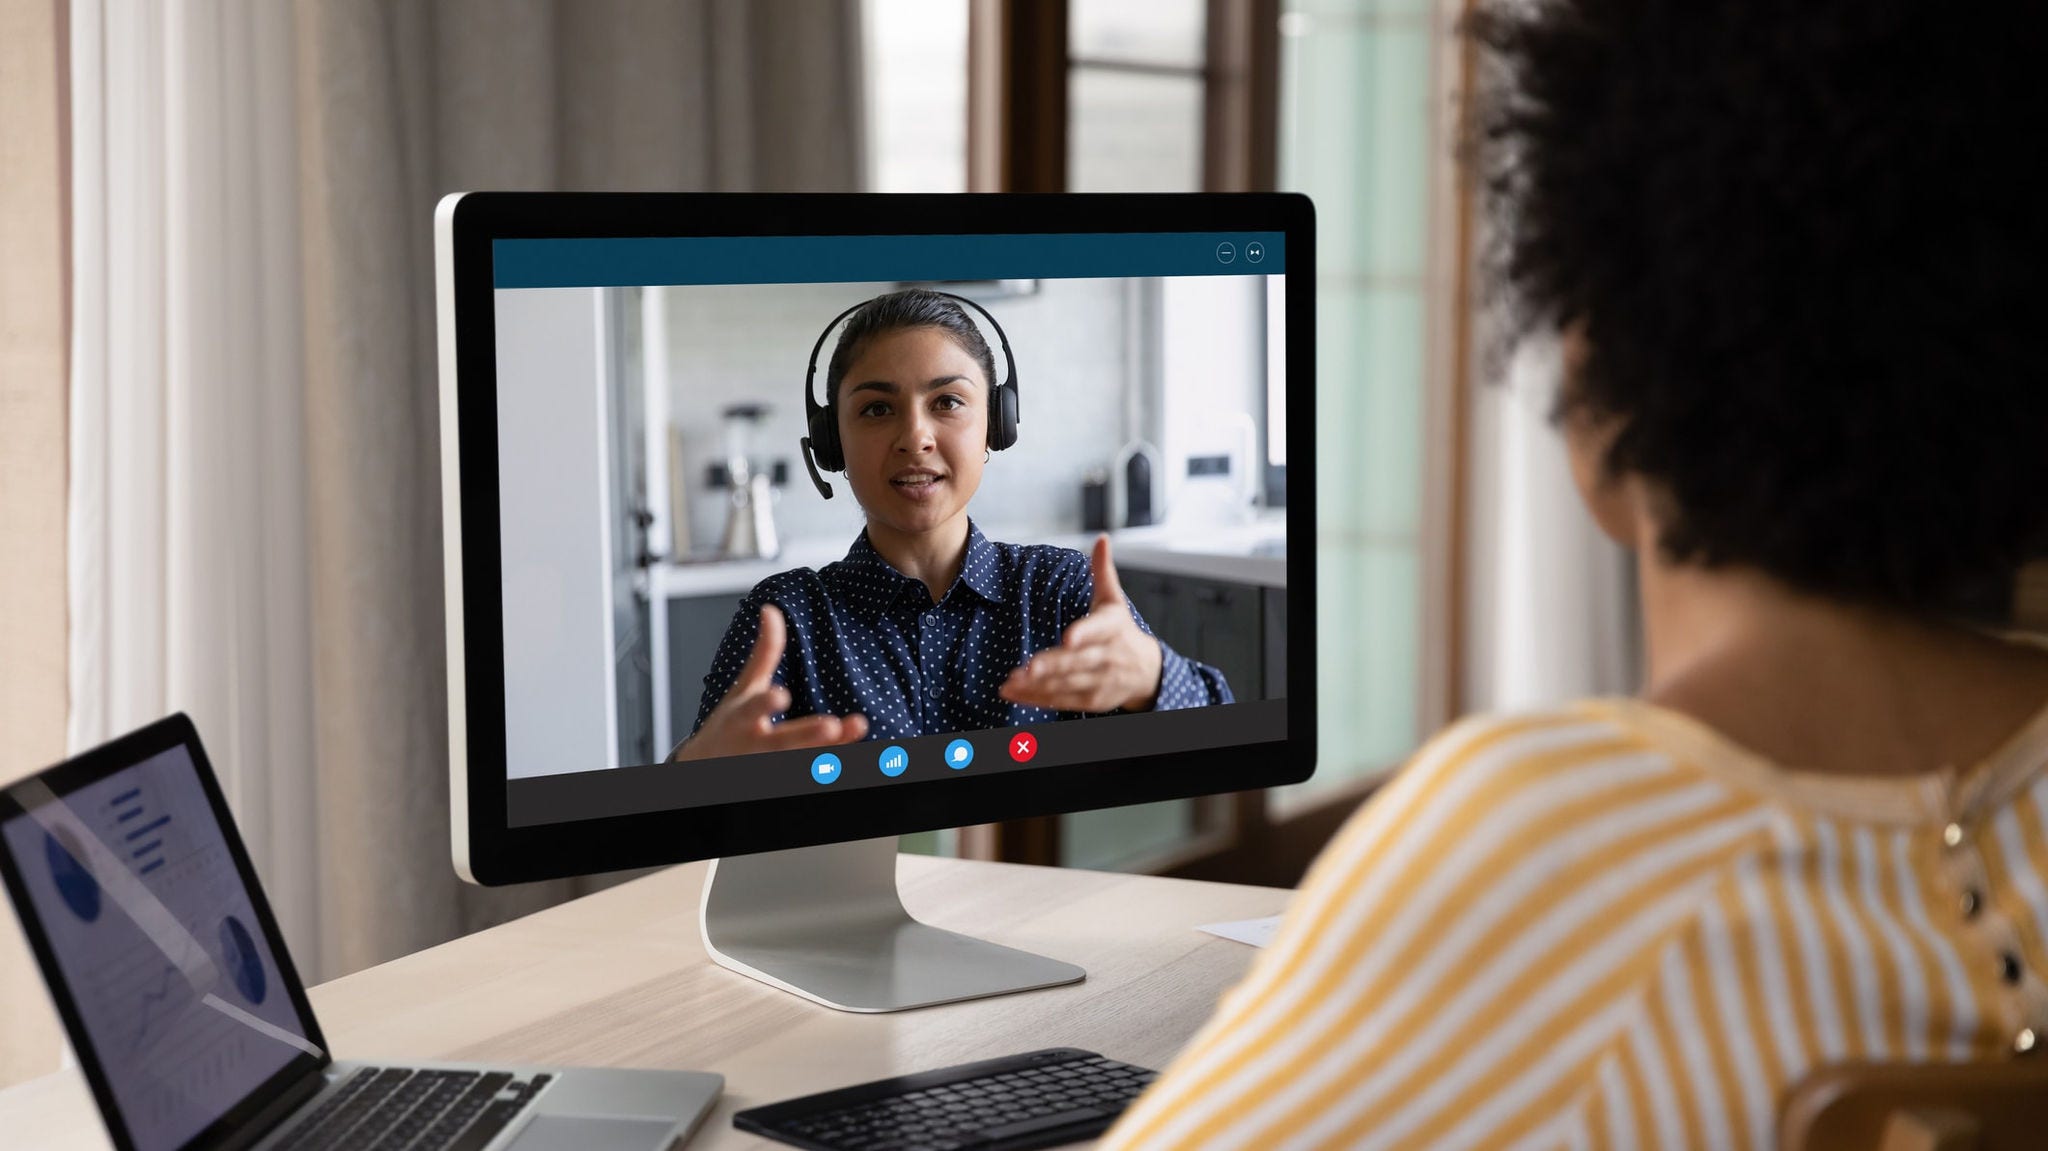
[
  {"x": 559, "y": 714},
  {"x": 1213, "y": 356},
  {"x": 1550, "y": 600}
]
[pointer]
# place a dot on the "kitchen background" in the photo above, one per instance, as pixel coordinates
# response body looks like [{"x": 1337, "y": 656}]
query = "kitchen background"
[{"x": 1174, "y": 371}]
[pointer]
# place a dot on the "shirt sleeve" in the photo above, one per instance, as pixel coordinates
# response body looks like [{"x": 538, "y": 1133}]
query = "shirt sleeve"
[
  {"x": 1185, "y": 682},
  {"x": 1461, "y": 960}
]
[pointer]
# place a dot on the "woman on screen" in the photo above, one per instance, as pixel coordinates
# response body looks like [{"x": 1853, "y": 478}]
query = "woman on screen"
[{"x": 928, "y": 626}]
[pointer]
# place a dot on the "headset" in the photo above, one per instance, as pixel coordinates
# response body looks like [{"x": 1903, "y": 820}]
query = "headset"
[{"x": 821, "y": 449}]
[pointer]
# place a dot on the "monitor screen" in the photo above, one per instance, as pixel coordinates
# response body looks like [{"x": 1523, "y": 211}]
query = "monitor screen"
[
  {"x": 179, "y": 1004},
  {"x": 786, "y": 520}
]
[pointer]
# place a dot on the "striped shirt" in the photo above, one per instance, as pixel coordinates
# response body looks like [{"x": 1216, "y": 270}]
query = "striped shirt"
[{"x": 1607, "y": 926}]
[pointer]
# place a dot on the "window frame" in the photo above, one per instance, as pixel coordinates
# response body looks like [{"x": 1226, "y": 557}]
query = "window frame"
[{"x": 1020, "y": 70}]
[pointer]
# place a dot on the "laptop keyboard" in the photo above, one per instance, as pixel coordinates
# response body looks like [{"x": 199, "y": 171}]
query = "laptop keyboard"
[{"x": 404, "y": 1109}]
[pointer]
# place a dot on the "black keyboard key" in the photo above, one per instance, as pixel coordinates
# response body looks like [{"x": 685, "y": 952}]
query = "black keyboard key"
[
  {"x": 1047, "y": 1124},
  {"x": 487, "y": 1125}
]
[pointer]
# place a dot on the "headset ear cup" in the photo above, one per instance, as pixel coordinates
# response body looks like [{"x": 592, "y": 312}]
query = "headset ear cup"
[
  {"x": 825, "y": 441},
  {"x": 1002, "y": 424}
]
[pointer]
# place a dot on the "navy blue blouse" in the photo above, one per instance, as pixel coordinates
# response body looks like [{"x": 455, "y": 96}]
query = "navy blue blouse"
[{"x": 865, "y": 637}]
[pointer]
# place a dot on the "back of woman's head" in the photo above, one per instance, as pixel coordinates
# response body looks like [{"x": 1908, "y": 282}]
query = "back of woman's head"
[{"x": 1802, "y": 242}]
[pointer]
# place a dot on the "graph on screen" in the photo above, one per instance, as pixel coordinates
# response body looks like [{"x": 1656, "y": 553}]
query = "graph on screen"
[{"x": 157, "y": 940}]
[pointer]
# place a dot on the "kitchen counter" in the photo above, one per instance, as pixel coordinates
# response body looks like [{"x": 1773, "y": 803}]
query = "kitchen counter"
[{"x": 1251, "y": 553}]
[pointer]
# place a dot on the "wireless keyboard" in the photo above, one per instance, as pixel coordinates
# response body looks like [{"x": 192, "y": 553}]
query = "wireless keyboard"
[{"x": 1038, "y": 1099}]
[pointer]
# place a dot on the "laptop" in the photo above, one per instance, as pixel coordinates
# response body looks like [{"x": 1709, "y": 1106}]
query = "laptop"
[{"x": 188, "y": 1017}]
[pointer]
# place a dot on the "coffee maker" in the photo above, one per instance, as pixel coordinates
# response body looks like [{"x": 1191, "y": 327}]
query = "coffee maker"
[{"x": 750, "y": 520}]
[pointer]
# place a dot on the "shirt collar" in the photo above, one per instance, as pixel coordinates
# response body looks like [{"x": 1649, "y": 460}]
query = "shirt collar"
[{"x": 874, "y": 582}]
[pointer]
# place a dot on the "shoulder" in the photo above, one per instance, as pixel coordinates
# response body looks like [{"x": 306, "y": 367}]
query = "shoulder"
[
  {"x": 796, "y": 585},
  {"x": 799, "y": 593},
  {"x": 1043, "y": 569},
  {"x": 1543, "y": 791},
  {"x": 1489, "y": 905},
  {"x": 1039, "y": 557}
]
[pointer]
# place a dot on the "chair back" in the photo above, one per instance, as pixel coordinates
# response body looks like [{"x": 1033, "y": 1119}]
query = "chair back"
[{"x": 1918, "y": 1107}]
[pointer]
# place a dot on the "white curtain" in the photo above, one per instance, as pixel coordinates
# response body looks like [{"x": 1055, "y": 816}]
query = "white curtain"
[
  {"x": 255, "y": 503},
  {"x": 1552, "y": 599},
  {"x": 188, "y": 486}
]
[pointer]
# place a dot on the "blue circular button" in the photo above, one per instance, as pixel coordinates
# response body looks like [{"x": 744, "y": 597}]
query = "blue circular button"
[
  {"x": 894, "y": 762},
  {"x": 825, "y": 768},
  {"x": 959, "y": 754}
]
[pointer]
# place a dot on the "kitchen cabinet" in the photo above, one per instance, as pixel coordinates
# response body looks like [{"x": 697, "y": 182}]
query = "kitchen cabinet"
[
  {"x": 1239, "y": 629},
  {"x": 696, "y": 624}
]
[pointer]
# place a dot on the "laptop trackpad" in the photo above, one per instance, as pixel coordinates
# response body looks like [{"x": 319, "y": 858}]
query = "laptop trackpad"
[{"x": 592, "y": 1133}]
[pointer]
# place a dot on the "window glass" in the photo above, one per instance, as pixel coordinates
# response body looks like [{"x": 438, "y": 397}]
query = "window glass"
[
  {"x": 1133, "y": 131},
  {"x": 1165, "y": 32},
  {"x": 1357, "y": 93},
  {"x": 916, "y": 66}
]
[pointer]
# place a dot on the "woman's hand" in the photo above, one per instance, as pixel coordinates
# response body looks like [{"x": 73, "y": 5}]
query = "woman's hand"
[
  {"x": 744, "y": 721},
  {"x": 1103, "y": 662}
]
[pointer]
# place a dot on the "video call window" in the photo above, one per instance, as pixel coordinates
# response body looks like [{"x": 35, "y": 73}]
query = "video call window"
[{"x": 1027, "y": 413}]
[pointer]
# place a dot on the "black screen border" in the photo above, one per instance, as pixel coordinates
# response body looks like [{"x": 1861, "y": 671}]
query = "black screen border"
[
  {"x": 500, "y": 854},
  {"x": 83, "y": 770}
]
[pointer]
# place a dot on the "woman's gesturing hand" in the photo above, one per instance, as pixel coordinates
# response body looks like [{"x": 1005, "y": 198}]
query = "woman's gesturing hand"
[
  {"x": 744, "y": 721},
  {"x": 1104, "y": 661}
]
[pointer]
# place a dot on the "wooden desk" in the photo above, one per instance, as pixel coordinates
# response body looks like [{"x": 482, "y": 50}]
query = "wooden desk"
[{"x": 620, "y": 978}]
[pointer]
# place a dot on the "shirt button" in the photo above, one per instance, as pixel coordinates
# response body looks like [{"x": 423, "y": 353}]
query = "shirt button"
[
  {"x": 1972, "y": 903},
  {"x": 1952, "y": 835},
  {"x": 2009, "y": 967},
  {"x": 2024, "y": 1041}
]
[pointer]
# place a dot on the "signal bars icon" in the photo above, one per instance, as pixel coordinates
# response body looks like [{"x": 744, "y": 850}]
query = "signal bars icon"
[{"x": 894, "y": 762}]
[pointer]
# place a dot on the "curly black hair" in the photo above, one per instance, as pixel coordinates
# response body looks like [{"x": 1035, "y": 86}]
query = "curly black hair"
[{"x": 1804, "y": 246}]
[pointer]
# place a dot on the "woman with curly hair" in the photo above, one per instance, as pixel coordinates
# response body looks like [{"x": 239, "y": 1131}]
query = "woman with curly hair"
[{"x": 1793, "y": 254}]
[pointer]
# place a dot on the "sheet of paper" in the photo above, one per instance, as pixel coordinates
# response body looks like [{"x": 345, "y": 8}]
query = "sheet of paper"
[{"x": 1257, "y": 932}]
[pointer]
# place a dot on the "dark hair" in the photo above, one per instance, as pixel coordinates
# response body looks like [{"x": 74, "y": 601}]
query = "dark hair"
[
  {"x": 1805, "y": 251},
  {"x": 901, "y": 311}
]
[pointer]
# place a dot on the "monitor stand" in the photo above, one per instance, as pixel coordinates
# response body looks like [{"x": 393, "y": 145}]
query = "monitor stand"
[{"x": 826, "y": 923}]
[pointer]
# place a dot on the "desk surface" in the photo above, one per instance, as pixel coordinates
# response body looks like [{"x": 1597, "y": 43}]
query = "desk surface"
[{"x": 620, "y": 978}]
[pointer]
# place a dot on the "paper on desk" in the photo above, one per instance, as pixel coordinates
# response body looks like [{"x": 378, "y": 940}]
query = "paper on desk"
[{"x": 1257, "y": 932}]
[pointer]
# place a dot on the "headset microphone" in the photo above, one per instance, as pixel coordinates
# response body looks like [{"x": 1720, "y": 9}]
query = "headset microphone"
[{"x": 822, "y": 449}]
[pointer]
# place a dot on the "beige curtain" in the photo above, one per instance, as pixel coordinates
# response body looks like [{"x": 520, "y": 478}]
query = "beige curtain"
[
  {"x": 254, "y": 484},
  {"x": 399, "y": 103},
  {"x": 31, "y": 463}
]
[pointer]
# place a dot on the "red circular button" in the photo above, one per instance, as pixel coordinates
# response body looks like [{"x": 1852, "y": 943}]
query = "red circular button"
[{"x": 1023, "y": 746}]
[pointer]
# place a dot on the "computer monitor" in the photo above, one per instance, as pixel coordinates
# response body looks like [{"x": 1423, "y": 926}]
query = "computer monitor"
[{"x": 903, "y": 422}]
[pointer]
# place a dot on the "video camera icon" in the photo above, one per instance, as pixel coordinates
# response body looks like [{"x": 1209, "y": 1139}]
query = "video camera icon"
[{"x": 959, "y": 754}]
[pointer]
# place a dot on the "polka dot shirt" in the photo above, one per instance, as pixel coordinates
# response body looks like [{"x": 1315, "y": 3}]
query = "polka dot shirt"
[{"x": 865, "y": 637}]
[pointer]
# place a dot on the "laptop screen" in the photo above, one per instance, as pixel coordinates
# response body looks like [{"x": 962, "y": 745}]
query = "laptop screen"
[{"x": 179, "y": 1001}]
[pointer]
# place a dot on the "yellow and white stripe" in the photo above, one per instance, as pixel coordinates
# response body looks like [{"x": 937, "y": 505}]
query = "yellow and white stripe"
[{"x": 1603, "y": 927}]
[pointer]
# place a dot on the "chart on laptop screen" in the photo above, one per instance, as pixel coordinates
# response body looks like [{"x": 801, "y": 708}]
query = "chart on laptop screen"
[
  {"x": 676, "y": 584},
  {"x": 155, "y": 936}
]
